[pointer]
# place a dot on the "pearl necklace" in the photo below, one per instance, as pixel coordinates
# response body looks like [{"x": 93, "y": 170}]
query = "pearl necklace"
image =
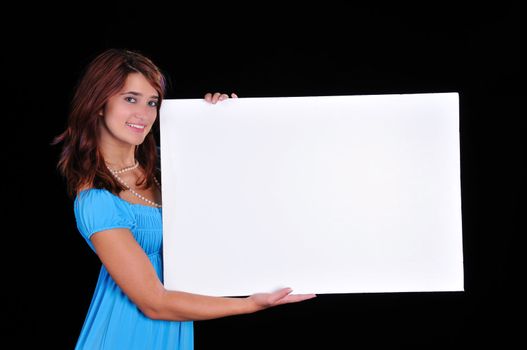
[
  {"x": 124, "y": 170},
  {"x": 152, "y": 203}
]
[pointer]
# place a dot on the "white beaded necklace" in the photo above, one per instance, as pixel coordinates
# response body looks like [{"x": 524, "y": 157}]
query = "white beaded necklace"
[
  {"x": 115, "y": 174},
  {"x": 124, "y": 170}
]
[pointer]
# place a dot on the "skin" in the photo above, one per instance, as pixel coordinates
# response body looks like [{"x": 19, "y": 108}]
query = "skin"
[
  {"x": 214, "y": 98},
  {"x": 119, "y": 251}
]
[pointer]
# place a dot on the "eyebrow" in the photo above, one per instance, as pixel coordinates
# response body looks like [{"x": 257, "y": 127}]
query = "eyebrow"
[{"x": 138, "y": 94}]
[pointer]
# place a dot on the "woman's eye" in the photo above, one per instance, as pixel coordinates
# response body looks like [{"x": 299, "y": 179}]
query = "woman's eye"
[
  {"x": 152, "y": 103},
  {"x": 130, "y": 99}
]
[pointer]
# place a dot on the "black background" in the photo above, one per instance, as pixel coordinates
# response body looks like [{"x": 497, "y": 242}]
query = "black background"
[{"x": 269, "y": 50}]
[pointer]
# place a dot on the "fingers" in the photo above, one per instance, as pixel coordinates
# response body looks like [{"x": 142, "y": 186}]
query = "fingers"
[
  {"x": 217, "y": 96},
  {"x": 295, "y": 298},
  {"x": 284, "y": 296},
  {"x": 210, "y": 98},
  {"x": 280, "y": 294},
  {"x": 280, "y": 297}
]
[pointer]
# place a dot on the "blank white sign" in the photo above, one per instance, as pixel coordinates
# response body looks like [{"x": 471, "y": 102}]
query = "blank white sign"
[{"x": 334, "y": 194}]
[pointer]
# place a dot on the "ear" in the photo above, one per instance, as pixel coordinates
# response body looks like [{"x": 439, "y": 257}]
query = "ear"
[{"x": 100, "y": 113}]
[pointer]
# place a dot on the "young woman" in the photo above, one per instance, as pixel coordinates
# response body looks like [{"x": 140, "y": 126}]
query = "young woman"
[{"x": 110, "y": 162}]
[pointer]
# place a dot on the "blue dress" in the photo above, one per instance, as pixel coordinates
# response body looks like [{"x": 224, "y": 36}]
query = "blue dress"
[{"x": 113, "y": 320}]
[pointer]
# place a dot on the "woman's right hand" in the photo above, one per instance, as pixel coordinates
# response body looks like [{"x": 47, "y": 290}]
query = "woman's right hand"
[{"x": 279, "y": 297}]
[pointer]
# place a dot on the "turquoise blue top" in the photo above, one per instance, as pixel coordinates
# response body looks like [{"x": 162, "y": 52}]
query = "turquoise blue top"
[{"x": 113, "y": 320}]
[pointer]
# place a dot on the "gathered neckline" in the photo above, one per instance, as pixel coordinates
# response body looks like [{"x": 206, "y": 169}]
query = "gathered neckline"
[{"x": 119, "y": 198}]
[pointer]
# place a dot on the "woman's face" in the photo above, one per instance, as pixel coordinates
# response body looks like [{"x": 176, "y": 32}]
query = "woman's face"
[{"x": 129, "y": 115}]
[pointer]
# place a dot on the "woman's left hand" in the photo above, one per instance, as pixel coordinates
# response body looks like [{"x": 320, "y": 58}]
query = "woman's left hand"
[{"x": 218, "y": 96}]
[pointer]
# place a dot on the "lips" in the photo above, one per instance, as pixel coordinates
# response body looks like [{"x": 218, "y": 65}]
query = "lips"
[{"x": 136, "y": 127}]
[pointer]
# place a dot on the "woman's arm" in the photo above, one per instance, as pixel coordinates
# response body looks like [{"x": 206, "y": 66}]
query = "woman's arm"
[{"x": 133, "y": 272}]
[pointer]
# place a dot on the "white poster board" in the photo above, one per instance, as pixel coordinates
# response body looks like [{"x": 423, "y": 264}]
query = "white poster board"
[{"x": 335, "y": 194}]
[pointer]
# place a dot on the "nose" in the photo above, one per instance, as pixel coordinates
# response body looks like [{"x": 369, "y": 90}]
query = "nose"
[{"x": 144, "y": 112}]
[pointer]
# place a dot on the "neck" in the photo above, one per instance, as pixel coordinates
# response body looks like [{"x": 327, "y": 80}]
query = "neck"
[{"x": 119, "y": 157}]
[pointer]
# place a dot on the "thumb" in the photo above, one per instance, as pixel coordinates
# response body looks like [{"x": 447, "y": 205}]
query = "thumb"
[{"x": 280, "y": 294}]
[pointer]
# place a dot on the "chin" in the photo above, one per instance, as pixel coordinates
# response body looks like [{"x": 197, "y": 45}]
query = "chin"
[{"x": 137, "y": 142}]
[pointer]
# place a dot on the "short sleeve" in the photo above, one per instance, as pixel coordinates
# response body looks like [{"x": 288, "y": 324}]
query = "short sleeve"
[{"x": 98, "y": 210}]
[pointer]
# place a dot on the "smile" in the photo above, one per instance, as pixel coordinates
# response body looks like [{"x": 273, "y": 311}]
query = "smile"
[{"x": 136, "y": 126}]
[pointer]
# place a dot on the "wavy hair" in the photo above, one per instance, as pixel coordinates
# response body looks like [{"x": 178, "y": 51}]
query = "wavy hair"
[{"x": 81, "y": 161}]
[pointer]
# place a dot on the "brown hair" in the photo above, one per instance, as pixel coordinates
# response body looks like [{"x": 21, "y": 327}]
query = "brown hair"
[{"x": 81, "y": 161}]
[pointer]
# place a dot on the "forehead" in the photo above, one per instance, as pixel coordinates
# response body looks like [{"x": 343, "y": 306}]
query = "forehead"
[{"x": 138, "y": 83}]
